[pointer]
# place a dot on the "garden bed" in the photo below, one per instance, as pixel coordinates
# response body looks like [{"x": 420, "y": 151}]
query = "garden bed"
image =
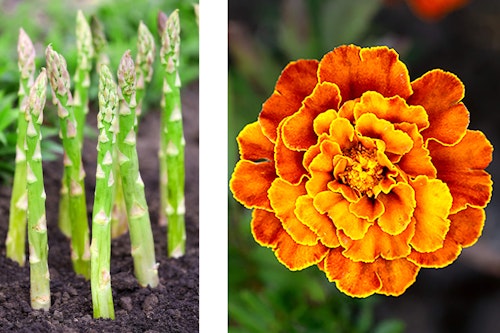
[{"x": 171, "y": 307}]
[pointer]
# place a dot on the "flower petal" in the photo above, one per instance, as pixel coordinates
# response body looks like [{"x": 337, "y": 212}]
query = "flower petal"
[
  {"x": 357, "y": 70},
  {"x": 356, "y": 279},
  {"x": 417, "y": 161},
  {"x": 253, "y": 145},
  {"x": 282, "y": 196},
  {"x": 342, "y": 132},
  {"x": 440, "y": 93},
  {"x": 267, "y": 231},
  {"x": 321, "y": 224},
  {"x": 250, "y": 182},
  {"x": 399, "y": 205},
  {"x": 322, "y": 122},
  {"x": 288, "y": 94},
  {"x": 393, "y": 109},
  {"x": 377, "y": 243},
  {"x": 435, "y": 9},
  {"x": 367, "y": 208},
  {"x": 298, "y": 129},
  {"x": 288, "y": 162},
  {"x": 337, "y": 208},
  {"x": 396, "y": 141},
  {"x": 431, "y": 213},
  {"x": 396, "y": 275},
  {"x": 462, "y": 166}
]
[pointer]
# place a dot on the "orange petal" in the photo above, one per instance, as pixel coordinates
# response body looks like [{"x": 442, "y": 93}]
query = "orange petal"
[
  {"x": 356, "y": 279},
  {"x": 296, "y": 82},
  {"x": 465, "y": 228},
  {"x": 399, "y": 205},
  {"x": 298, "y": 129},
  {"x": 396, "y": 141},
  {"x": 395, "y": 275},
  {"x": 377, "y": 243},
  {"x": 461, "y": 168},
  {"x": 337, "y": 208},
  {"x": 417, "y": 161},
  {"x": 250, "y": 182},
  {"x": 253, "y": 145},
  {"x": 394, "y": 109},
  {"x": 367, "y": 208},
  {"x": 440, "y": 93},
  {"x": 431, "y": 213},
  {"x": 342, "y": 132},
  {"x": 318, "y": 182},
  {"x": 322, "y": 122},
  {"x": 435, "y": 9},
  {"x": 288, "y": 162},
  {"x": 324, "y": 160},
  {"x": 267, "y": 231},
  {"x": 356, "y": 70},
  {"x": 347, "y": 110},
  {"x": 319, "y": 223},
  {"x": 282, "y": 196}
]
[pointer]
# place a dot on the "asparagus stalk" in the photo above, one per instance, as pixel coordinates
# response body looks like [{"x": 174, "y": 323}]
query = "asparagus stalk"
[
  {"x": 171, "y": 152},
  {"x": 37, "y": 223},
  {"x": 85, "y": 53},
  {"x": 100, "y": 250},
  {"x": 99, "y": 42},
  {"x": 144, "y": 64},
  {"x": 59, "y": 81},
  {"x": 16, "y": 236},
  {"x": 141, "y": 235}
]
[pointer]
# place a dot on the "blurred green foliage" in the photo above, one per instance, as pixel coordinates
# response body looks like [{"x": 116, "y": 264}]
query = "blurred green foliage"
[
  {"x": 54, "y": 22},
  {"x": 264, "y": 296}
]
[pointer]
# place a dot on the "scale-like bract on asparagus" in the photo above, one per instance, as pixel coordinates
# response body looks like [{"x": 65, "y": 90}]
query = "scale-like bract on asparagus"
[
  {"x": 144, "y": 60},
  {"x": 171, "y": 151},
  {"x": 59, "y": 81},
  {"x": 141, "y": 235},
  {"x": 16, "y": 236},
  {"x": 37, "y": 222},
  {"x": 100, "y": 250}
]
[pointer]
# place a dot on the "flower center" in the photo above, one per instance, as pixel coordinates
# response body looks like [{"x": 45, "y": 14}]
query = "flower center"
[{"x": 364, "y": 173}]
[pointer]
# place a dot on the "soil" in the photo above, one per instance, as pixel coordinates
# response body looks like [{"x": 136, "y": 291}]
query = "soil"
[{"x": 173, "y": 306}]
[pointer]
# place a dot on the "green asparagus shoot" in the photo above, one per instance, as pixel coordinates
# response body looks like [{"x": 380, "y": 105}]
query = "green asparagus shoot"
[
  {"x": 171, "y": 151},
  {"x": 74, "y": 174},
  {"x": 37, "y": 223},
  {"x": 141, "y": 235},
  {"x": 99, "y": 42},
  {"x": 100, "y": 250},
  {"x": 16, "y": 236},
  {"x": 144, "y": 64}
]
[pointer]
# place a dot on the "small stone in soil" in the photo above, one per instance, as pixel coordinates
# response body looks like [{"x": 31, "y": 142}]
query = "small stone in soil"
[{"x": 126, "y": 303}]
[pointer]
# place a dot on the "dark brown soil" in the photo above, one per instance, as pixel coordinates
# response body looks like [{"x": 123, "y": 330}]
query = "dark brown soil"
[{"x": 171, "y": 307}]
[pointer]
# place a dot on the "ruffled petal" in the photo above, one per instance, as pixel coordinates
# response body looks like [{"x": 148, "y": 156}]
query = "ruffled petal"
[
  {"x": 250, "y": 182},
  {"x": 367, "y": 208},
  {"x": 254, "y": 145},
  {"x": 322, "y": 122},
  {"x": 394, "y": 109},
  {"x": 356, "y": 279},
  {"x": 324, "y": 161},
  {"x": 298, "y": 129},
  {"x": 347, "y": 110},
  {"x": 377, "y": 243},
  {"x": 342, "y": 132},
  {"x": 318, "y": 182},
  {"x": 337, "y": 208},
  {"x": 288, "y": 162},
  {"x": 418, "y": 160},
  {"x": 288, "y": 95},
  {"x": 462, "y": 166},
  {"x": 431, "y": 213},
  {"x": 396, "y": 141},
  {"x": 283, "y": 196},
  {"x": 395, "y": 275},
  {"x": 435, "y": 9},
  {"x": 357, "y": 70},
  {"x": 267, "y": 231},
  {"x": 321, "y": 224},
  {"x": 440, "y": 93},
  {"x": 399, "y": 205}
]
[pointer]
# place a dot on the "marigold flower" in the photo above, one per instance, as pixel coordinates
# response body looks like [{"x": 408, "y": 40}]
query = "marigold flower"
[
  {"x": 355, "y": 169},
  {"x": 435, "y": 9}
]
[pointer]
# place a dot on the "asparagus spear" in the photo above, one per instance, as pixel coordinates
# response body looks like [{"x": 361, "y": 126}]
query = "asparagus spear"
[
  {"x": 99, "y": 42},
  {"x": 59, "y": 81},
  {"x": 171, "y": 152},
  {"x": 141, "y": 235},
  {"x": 16, "y": 236},
  {"x": 144, "y": 64},
  {"x": 37, "y": 224},
  {"x": 100, "y": 250},
  {"x": 85, "y": 53}
]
